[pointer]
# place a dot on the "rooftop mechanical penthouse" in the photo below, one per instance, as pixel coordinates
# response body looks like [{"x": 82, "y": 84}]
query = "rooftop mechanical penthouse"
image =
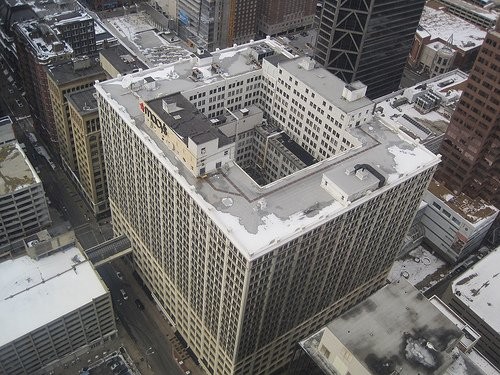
[{"x": 261, "y": 197}]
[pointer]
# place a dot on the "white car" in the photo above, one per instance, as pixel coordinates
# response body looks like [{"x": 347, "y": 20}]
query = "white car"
[
  {"x": 124, "y": 294},
  {"x": 119, "y": 275}
]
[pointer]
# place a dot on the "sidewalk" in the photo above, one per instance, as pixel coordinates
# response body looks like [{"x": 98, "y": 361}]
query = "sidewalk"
[{"x": 178, "y": 352}]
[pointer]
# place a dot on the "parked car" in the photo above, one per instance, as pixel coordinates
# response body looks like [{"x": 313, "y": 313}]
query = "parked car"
[{"x": 119, "y": 275}]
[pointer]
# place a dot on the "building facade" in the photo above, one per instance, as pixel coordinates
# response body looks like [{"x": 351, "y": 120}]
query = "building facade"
[
  {"x": 282, "y": 17},
  {"x": 38, "y": 46},
  {"x": 216, "y": 24},
  {"x": 71, "y": 76},
  {"x": 368, "y": 41},
  {"x": 60, "y": 330},
  {"x": 23, "y": 206},
  {"x": 472, "y": 13},
  {"x": 84, "y": 118},
  {"x": 471, "y": 158},
  {"x": 227, "y": 259}
]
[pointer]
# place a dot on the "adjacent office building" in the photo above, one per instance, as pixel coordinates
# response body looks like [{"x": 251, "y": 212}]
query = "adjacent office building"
[
  {"x": 38, "y": 45},
  {"x": 282, "y": 16},
  {"x": 84, "y": 118},
  {"x": 71, "y": 76},
  {"x": 368, "y": 41},
  {"x": 244, "y": 270},
  {"x": 216, "y": 24},
  {"x": 23, "y": 206},
  {"x": 51, "y": 33},
  {"x": 471, "y": 146},
  {"x": 53, "y": 306}
]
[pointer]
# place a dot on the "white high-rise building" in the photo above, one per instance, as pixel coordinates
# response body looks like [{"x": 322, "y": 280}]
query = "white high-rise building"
[{"x": 244, "y": 269}]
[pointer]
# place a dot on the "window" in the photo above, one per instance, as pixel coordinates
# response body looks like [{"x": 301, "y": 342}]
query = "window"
[
  {"x": 203, "y": 150},
  {"x": 325, "y": 351}
]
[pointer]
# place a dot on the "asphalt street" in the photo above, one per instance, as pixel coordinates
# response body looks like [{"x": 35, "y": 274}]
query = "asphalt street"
[{"x": 154, "y": 346}]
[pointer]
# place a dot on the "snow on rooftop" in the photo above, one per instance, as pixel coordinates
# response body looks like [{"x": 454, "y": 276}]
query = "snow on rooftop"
[
  {"x": 483, "y": 363},
  {"x": 420, "y": 268},
  {"x": 406, "y": 159},
  {"x": 476, "y": 211},
  {"x": 137, "y": 31},
  {"x": 478, "y": 289},
  {"x": 16, "y": 171},
  {"x": 442, "y": 25},
  {"x": 36, "y": 292}
]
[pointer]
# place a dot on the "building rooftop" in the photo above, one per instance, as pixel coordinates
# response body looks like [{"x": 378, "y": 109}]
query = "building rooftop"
[
  {"x": 77, "y": 69},
  {"x": 52, "y": 8},
  {"x": 401, "y": 107},
  {"x": 489, "y": 14},
  {"x": 478, "y": 288},
  {"x": 324, "y": 83},
  {"x": 138, "y": 32},
  {"x": 6, "y": 130},
  {"x": 186, "y": 120},
  {"x": 396, "y": 329},
  {"x": 85, "y": 101},
  {"x": 484, "y": 364},
  {"x": 439, "y": 24},
  {"x": 36, "y": 292},
  {"x": 476, "y": 211},
  {"x": 16, "y": 172},
  {"x": 122, "y": 59},
  {"x": 257, "y": 218},
  {"x": 43, "y": 39}
]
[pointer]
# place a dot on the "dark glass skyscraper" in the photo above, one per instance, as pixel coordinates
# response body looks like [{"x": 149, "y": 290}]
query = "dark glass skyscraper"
[{"x": 368, "y": 40}]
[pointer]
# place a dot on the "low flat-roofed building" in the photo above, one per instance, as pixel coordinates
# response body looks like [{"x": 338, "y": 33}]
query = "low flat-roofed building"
[
  {"x": 455, "y": 225},
  {"x": 119, "y": 60},
  {"x": 423, "y": 111},
  {"x": 475, "y": 297},
  {"x": 51, "y": 306},
  {"x": 478, "y": 15},
  {"x": 444, "y": 41},
  {"x": 394, "y": 331},
  {"x": 23, "y": 206},
  {"x": 139, "y": 29},
  {"x": 6, "y": 131}
]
